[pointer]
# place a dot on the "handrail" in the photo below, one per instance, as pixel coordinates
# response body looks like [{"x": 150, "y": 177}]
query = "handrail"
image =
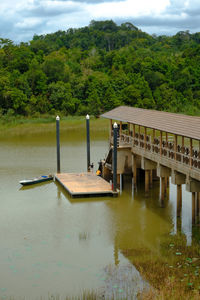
[{"x": 182, "y": 155}]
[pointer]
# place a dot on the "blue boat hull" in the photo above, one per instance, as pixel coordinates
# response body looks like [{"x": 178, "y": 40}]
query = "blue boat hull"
[{"x": 36, "y": 180}]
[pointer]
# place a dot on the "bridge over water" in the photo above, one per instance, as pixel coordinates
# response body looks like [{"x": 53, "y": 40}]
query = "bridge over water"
[{"x": 163, "y": 145}]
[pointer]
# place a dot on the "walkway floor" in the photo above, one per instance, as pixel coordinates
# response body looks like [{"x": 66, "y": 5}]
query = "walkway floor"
[{"x": 84, "y": 184}]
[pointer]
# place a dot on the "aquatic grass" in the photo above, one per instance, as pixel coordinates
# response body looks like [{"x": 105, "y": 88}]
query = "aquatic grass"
[
  {"x": 23, "y": 125},
  {"x": 173, "y": 276},
  {"x": 83, "y": 236}
]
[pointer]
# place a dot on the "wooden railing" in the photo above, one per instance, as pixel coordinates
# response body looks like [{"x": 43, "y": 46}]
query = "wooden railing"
[{"x": 167, "y": 149}]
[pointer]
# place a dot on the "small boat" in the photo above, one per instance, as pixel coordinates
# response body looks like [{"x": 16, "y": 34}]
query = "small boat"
[{"x": 42, "y": 178}]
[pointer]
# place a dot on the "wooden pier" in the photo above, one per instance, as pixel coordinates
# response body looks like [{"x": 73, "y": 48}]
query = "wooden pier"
[
  {"x": 84, "y": 184},
  {"x": 161, "y": 144}
]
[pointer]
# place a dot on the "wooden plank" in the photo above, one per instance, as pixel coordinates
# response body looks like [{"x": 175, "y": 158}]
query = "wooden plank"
[{"x": 84, "y": 184}]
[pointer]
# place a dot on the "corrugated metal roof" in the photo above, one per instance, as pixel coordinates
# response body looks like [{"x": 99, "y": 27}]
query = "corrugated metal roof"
[{"x": 179, "y": 124}]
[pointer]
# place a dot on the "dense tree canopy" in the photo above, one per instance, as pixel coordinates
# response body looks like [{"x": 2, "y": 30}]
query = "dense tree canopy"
[{"x": 98, "y": 67}]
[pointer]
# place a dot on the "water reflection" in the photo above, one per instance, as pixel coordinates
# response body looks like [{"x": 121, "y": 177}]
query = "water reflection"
[{"x": 53, "y": 243}]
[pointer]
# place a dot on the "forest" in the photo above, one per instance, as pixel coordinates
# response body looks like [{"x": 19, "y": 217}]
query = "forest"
[{"x": 98, "y": 67}]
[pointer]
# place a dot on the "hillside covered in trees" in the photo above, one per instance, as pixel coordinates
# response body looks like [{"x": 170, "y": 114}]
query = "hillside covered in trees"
[{"x": 98, "y": 67}]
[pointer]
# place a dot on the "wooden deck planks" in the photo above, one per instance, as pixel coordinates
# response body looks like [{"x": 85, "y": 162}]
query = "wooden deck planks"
[{"x": 84, "y": 184}]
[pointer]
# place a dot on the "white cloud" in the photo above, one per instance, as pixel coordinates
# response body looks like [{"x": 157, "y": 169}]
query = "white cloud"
[
  {"x": 20, "y": 19},
  {"x": 128, "y": 8}
]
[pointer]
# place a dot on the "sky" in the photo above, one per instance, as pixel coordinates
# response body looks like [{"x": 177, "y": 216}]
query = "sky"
[{"x": 21, "y": 19}]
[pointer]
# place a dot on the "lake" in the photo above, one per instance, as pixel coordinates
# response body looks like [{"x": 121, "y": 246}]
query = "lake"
[{"x": 52, "y": 244}]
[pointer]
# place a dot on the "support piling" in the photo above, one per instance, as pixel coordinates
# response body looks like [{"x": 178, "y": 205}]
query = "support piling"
[
  {"x": 115, "y": 157},
  {"x": 179, "y": 199},
  {"x": 58, "y": 142},
  {"x": 88, "y": 141}
]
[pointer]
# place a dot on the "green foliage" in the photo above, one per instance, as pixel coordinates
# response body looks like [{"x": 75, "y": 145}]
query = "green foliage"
[{"x": 98, "y": 67}]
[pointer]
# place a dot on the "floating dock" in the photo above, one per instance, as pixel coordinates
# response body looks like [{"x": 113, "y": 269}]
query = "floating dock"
[{"x": 85, "y": 184}]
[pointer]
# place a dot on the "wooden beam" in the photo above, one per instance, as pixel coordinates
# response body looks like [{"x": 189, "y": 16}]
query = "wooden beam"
[
  {"x": 145, "y": 138},
  {"x": 129, "y": 129},
  {"x": 111, "y": 127},
  {"x": 120, "y": 128},
  {"x": 161, "y": 139},
  {"x": 175, "y": 146},
  {"x": 191, "y": 152},
  {"x": 183, "y": 144},
  {"x": 133, "y": 130},
  {"x": 139, "y": 129},
  {"x": 153, "y": 135}
]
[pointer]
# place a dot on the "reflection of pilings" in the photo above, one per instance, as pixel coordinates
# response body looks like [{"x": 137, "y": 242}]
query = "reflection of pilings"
[
  {"x": 193, "y": 207},
  {"x": 147, "y": 177},
  {"x": 162, "y": 188},
  {"x": 116, "y": 252},
  {"x": 179, "y": 200},
  {"x": 151, "y": 179},
  {"x": 121, "y": 182},
  {"x": 166, "y": 184},
  {"x": 198, "y": 206},
  {"x": 134, "y": 170}
]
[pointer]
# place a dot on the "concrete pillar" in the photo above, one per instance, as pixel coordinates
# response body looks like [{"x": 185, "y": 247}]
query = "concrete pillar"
[
  {"x": 179, "y": 200},
  {"x": 163, "y": 171},
  {"x": 193, "y": 208},
  {"x": 192, "y": 185},
  {"x": 177, "y": 178},
  {"x": 147, "y": 175}
]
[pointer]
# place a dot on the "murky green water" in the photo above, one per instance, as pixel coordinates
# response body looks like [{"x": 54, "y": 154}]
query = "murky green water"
[{"x": 52, "y": 244}]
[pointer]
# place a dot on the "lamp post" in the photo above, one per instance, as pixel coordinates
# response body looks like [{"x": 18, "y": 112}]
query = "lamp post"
[
  {"x": 58, "y": 142},
  {"x": 115, "y": 157},
  {"x": 88, "y": 141}
]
